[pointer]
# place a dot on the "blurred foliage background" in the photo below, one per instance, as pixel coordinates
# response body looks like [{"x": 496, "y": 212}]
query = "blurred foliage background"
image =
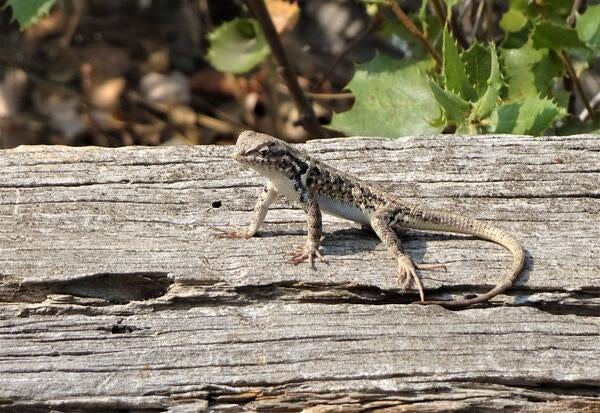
[{"x": 164, "y": 72}]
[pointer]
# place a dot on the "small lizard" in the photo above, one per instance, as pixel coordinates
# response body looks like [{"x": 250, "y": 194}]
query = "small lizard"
[{"x": 317, "y": 187}]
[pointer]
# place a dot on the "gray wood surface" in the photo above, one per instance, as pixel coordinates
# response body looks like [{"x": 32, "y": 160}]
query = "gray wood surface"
[{"x": 114, "y": 293}]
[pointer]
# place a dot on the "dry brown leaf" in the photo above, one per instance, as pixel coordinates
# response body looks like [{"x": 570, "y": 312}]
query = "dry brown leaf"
[
  {"x": 284, "y": 14},
  {"x": 106, "y": 95}
]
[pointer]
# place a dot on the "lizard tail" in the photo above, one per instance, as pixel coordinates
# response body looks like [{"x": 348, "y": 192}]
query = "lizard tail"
[{"x": 480, "y": 229}]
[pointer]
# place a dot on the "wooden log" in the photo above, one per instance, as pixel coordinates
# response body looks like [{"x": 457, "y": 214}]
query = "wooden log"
[{"x": 114, "y": 293}]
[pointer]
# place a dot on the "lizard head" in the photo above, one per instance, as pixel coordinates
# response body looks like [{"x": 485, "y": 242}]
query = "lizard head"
[{"x": 267, "y": 155}]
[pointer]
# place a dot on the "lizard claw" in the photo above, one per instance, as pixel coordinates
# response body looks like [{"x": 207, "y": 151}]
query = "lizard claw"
[
  {"x": 303, "y": 252},
  {"x": 407, "y": 275},
  {"x": 232, "y": 234}
]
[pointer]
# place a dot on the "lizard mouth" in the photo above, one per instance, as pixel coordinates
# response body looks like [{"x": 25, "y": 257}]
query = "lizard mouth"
[{"x": 238, "y": 156}]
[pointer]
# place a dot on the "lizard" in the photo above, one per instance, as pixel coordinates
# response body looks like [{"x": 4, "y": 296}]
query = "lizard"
[{"x": 318, "y": 188}]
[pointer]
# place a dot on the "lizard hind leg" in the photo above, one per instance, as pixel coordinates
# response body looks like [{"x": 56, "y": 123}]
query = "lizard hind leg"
[{"x": 381, "y": 222}]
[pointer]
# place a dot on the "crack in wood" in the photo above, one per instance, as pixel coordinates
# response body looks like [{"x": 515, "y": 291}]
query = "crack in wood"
[{"x": 114, "y": 288}]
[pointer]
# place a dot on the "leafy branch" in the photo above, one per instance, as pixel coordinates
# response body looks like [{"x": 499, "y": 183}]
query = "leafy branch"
[
  {"x": 509, "y": 85},
  {"x": 288, "y": 73}
]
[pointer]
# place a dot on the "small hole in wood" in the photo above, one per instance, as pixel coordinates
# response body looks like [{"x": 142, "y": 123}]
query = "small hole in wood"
[
  {"x": 216, "y": 204},
  {"x": 121, "y": 329}
]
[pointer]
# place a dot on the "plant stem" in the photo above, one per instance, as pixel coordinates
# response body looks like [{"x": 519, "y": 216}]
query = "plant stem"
[
  {"x": 594, "y": 102},
  {"x": 288, "y": 73},
  {"x": 477, "y": 23},
  {"x": 410, "y": 26},
  {"x": 571, "y": 71},
  {"x": 577, "y": 6}
]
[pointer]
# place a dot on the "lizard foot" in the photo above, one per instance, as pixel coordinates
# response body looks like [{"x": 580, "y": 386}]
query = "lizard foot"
[
  {"x": 304, "y": 252},
  {"x": 232, "y": 234},
  {"x": 407, "y": 275}
]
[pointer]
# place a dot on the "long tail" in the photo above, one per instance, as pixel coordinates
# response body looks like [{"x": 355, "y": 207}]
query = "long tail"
[{"x": 441, "y": 221}]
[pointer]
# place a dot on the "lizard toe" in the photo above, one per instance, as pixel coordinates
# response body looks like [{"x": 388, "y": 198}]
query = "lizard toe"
[
  {"x": 323, "y": 259},
  {"x": 302, "y": 253},
  {"x": 407, "y": 275}
]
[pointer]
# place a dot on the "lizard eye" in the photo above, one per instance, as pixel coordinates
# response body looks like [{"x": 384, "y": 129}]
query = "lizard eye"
[{"x": 263, "y": 151}]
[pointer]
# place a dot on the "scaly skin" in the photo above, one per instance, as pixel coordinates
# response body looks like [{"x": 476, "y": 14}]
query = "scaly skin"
[{"x": 317, "y": 186}]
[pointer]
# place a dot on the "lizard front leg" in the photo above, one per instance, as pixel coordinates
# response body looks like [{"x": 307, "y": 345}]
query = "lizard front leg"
[
  {"x": 265, "y": 198},
  {"x": 310, "y": 250},
  {"x": 381, "y": 222}
]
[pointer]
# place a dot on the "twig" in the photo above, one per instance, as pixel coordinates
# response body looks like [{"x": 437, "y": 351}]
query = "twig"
[
  {"x": 464, "y": 9},
  {"x": 318, "y": 95},
  {"x": 478, "y": 19},
  {"x": 577, "y": 6},
  {"x": 410, "y": 26},
  {"x": 308, "y": 119},
  {"x": 593, "y": 103},
  {"x": 331, "y": 96},
  {"x": 73, "y": 22},
  {"x": 571, "y": 71}
]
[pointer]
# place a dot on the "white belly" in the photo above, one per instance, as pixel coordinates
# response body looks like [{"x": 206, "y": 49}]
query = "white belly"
[
  {"x": 328, "y": 205},
  {"x": 334, "y": 207},
  {"x": 285, "y": 188}
]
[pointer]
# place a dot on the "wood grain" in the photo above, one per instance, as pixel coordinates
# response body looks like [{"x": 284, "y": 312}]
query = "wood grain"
[{"x": 114, "y": 293}]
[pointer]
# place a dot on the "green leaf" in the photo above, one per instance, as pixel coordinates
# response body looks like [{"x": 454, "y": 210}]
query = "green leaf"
[
  {"x": 455, "y": 108},
  {"x": 487, "y": 103},
  {"x": 530, "y": 117},
  {"x": 477, "y": 60},
  {"x": 530, "y": 71},
  {"x": 237, "y": 46},
  {"x": 28, "y": 12},
  {"x": 562, "y": 98},
  {"x": 392, "y": 99},
  {"x": 517, "y": 39},
  {"x": 556, "y": 10},
  {"x": 455, "y": 78},
  {"x": 588, "y": 27},
  {"x": 554, "y": 36},
  {"x": 513, "y": 20}
]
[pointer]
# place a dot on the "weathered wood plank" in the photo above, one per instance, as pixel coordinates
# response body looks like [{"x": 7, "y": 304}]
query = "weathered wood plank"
[
  {"x": 277, "y": 355},
  {"x": 115, "y": 294}
]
